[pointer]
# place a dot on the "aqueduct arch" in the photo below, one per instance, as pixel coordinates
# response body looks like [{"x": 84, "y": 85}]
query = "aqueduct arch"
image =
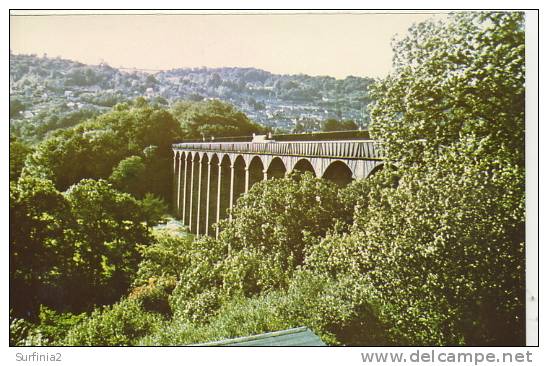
[
  {"x": 339, "y": 173},
  {"x": 256, "y": 171},
  {"x": 304, "y": 165},
  {"x": 276, "y": 169}
]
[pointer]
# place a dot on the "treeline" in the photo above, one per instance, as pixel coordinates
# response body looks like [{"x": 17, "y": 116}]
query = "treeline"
[
  {"x": 428, "y": 251},
  {"x": 39, "y": 85},
  {"x": 253, "y": 84}
]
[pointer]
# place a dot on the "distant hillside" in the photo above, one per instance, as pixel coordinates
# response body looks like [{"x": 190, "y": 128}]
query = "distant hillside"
[{"x": 48, "y": 93}]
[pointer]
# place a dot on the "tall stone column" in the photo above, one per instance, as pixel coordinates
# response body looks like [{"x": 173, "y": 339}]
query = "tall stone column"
[
  {"x": 191, "y": 192},
  {"x": 175, "y": 154},
  {"x": 184, "y": 190},
  {"x": 265, "y": 174},
  {"x": 175, "y": 199},
  {"x": 199, "y": 201},
  {"x": 246, "y": 179},
  {"x": 218, "y": 213},
  {"x": 207, "y": 197},
  {"x": 231, "y": 191},
  {"x": 180, "y": 172}
]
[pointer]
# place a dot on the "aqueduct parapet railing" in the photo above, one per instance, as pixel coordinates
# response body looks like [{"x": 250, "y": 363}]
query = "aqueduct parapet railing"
[{"x": 327, "y": 149}]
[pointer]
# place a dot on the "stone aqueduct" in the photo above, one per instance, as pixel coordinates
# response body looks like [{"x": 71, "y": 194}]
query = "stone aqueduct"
[{"x": 210, "y": 176}]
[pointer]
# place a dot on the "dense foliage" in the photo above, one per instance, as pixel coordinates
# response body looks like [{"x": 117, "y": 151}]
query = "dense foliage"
[
  {"x": 94, "y": 148},
  {"x": 45, "y": 122},
  {"x": 438, "y": 265},
  {"x": 453, "y": 115},
  {"x": 71, "y": 250},
  {"x": 465, "y": 77},
  {"x": 261, "y": 247},
  {"x": 18, "y": 153},
  {"x": 335, "y": 125},
  {"x": 213, "y": 118},
  {"x": 40, "y": 222}
]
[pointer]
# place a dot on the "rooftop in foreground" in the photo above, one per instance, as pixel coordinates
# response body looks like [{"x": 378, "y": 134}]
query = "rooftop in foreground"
[{"x": 301, "y": 336}]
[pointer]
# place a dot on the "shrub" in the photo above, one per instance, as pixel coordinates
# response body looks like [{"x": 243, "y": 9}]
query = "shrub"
[
  {"x": 271, "y": 226},
  {"x": 19, "y": 330},
  {"x": 166, "y": 257},
  {"x": 200, "y": 291},
  {"x": 154, "y": 208},
  {"x": 53, "y": 326},
  {"x": 121, "y": 324},
  {"x": 154, "y": 296},
  {"x": 316, "y": 301}
]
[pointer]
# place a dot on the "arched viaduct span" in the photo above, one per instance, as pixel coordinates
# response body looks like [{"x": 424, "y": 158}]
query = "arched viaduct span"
[{"x": 210, "y": 176}]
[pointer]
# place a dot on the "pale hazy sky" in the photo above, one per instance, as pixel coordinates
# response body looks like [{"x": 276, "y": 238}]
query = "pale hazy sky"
[{"x": 316, "y": 44}]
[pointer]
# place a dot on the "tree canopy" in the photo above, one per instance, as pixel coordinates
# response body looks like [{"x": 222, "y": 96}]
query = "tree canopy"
[
  {"x": 72, "y": 250},
  {"x": 335, "y": 125},
  {"x": 94, "y": 148},
  {"x": 18, "y": 153},
  {"x": 463, "y": 77},
  {"x": 213, "y": 118}
]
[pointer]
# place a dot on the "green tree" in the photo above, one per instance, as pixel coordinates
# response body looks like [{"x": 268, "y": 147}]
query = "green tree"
[
  {"x": 307, "y": 125},
  {"x": 40, "y": 251},
  {"x": 166, "y": 257},
  {"x": 18, "y": 154},
  {"x": 94, "y": 148},
  {"x": 271, "y": 216},
  {"x": 151, "y": 81},
  {"x": 462, "y": 77},
  {"x": 71, "y": 155},
  {"x": 213, "y": 118},
  {"x": 111, "y": 228},
  {"x": 71, "y": 251},
  {"x": 53, "y": 120},
  {"x": 154, "y": 208},
  {"x": 142, "y": 175},
  {"x": 335, "y": 125},
  {"x": 82, "y": 76},
  {"x": 130, "y": 176}
]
